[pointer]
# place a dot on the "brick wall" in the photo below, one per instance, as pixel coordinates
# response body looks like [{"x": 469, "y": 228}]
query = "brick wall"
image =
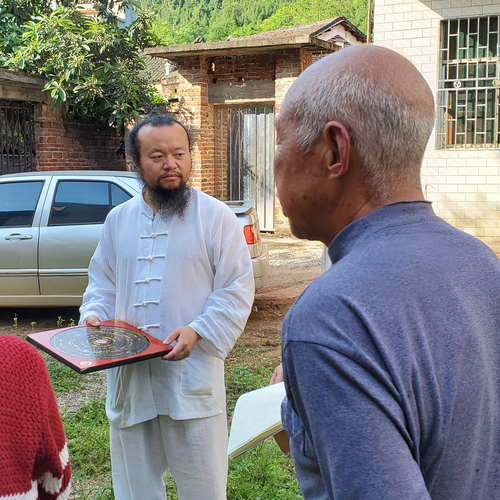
[
  {"x": 232, "y": 69},
  {"x": 464, "y": 185},
  {"x": 190, "y": 85},
  {"x": 67, "y": 144}
]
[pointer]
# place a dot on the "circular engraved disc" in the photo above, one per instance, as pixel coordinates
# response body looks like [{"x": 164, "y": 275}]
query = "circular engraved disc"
[{"x": 105, "y": 342}]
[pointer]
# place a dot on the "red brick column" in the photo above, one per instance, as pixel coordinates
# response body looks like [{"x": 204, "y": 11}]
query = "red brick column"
[{"x": 193, "y": 110}]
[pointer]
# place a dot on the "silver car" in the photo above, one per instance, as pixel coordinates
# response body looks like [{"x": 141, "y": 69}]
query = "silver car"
[{"x": 50, "y": 224}]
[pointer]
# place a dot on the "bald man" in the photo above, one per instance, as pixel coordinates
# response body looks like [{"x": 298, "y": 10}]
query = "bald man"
[{"x": 392, "y": 357}]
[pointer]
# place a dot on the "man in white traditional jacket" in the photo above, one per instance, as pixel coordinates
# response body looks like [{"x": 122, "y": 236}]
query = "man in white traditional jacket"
[{"x": 174, "y": 263}]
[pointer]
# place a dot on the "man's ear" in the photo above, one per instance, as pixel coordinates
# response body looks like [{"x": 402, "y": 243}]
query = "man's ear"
[
  {"x": 137, "y": 164},
  {"x": 339, "y": 144}
]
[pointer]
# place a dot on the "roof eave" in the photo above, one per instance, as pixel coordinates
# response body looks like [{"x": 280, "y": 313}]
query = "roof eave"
[
  {"x": 238, "y": 47},
  {"x": 21, "y": 77}
]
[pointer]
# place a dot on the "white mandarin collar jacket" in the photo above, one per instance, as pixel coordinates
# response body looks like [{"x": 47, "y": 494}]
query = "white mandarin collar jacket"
[{"x": 158, "y": 274}]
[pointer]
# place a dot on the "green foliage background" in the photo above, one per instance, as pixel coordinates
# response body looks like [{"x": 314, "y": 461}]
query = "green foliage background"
[{"x": 182, "y": 21}]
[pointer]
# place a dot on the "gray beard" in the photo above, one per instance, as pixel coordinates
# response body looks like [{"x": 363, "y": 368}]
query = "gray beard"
[{"x": 169, "y": 202}]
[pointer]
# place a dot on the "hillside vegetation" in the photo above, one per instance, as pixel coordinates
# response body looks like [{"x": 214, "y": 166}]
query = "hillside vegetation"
[{"x": 182, "y": 21}]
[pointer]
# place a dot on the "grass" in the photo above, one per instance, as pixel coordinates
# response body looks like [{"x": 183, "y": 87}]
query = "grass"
[
  {"x": 87, "y": 433},
  {"x": 263, "y": 473},
  {"x": 243, "y": 377},
  {"x": 104, "y": 492},
  {"x": 63, "y": 379}
]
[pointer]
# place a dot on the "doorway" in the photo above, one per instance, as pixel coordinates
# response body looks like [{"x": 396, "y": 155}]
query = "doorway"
[{"x": 248, "y": 152}]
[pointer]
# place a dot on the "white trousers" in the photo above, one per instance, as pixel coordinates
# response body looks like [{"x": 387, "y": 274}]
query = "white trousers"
[{"x": 194, "y": 450}]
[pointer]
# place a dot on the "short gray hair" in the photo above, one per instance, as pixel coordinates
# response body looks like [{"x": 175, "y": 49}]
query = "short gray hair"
[{"x": 389, "y": 133}]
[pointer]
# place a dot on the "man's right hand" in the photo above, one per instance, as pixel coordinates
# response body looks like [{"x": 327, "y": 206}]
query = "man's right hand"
[{"x": 92, "y": 320}]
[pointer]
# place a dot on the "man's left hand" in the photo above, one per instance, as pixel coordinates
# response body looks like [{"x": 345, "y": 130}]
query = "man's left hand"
[
  {"x": 186, "y": 339},
  {"x": 277, "y": 375}
]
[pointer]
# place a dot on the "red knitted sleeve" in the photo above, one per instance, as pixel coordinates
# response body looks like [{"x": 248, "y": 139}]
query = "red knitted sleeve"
[
  {"x": 53, "y": 468},
  {"x": 33, "y": 451}
]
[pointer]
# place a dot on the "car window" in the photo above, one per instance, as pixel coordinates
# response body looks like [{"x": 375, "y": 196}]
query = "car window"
[
  {"x": 18, "y": 201},
  {"x": 118, "y": 195},
  {"x": 84, "y": 202}
]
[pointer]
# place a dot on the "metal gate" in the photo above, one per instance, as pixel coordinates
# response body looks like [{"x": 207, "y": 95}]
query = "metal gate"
[
  {"x": 250, "y": 159},
  {"x": 17, "y": 137}
]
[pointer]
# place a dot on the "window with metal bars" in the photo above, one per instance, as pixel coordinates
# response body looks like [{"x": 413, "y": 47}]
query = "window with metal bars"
[
  {"x": 17, "y": 137},
  {"x": 469, "y": 84}
]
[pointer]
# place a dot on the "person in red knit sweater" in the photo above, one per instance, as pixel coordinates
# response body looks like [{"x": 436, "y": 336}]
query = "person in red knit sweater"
[{"x": 34, "y": 460}]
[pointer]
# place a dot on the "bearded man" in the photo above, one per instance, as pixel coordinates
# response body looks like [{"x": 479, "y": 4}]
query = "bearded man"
[{"x": 174, "y": 263}]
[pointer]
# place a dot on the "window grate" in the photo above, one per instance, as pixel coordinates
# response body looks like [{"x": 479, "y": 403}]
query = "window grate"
[
  {"x": 17, "y": 137},
  {"x": 469, "y": 84}
]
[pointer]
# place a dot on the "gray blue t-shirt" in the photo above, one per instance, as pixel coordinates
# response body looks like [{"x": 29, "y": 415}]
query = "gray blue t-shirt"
[{"x": 392, "y": 364}]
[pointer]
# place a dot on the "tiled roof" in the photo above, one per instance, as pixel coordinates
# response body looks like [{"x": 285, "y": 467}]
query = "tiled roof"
[
  {"x": 155, "y": 68},
  {"x": 302, "y": 29}
]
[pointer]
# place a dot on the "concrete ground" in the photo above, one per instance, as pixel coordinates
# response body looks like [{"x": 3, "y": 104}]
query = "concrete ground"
[{"x": 293, "y": 264}]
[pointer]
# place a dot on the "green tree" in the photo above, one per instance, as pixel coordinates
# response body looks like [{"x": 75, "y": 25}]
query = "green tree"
[
  {"x": 308, "y": 11},
  {"x": 21, "y": 11},
  {"x": 93, "y": 67},
  {"x": 168, "y": 34},
  {"x": 10, "y": 32}
]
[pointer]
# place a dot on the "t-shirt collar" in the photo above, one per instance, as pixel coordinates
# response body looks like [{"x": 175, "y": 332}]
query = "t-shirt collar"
[{"x": 385, "y": 216}]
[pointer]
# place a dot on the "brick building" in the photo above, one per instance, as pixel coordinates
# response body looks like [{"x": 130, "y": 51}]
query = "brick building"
[
  {"x": 229, "y": 92},
  {"x": 455, "y": 44},
  {"x": 33, "y": 137}
]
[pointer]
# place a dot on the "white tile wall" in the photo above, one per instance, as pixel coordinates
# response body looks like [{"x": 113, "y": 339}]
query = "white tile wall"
[{"x": 463, "y": 185}]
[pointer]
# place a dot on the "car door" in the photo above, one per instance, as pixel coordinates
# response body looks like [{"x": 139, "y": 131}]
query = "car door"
[
  {"x": 69, "y": 233},
  {"x": 19, "y": 216}
]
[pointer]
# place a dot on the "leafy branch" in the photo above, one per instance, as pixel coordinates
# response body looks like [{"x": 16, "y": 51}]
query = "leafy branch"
[{"x": 92, "y": 65}]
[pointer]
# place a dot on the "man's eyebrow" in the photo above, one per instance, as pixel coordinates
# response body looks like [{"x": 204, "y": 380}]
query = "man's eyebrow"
[{"x": 156, "y": 149}]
